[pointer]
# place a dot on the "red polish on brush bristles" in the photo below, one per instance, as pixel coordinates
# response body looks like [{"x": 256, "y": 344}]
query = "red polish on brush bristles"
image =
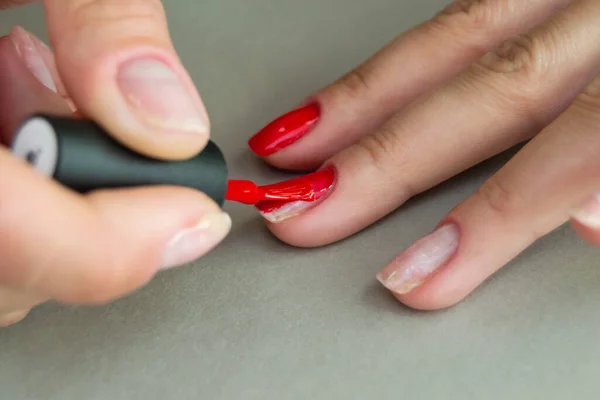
[
  {"x": 246, "y": 192},
  {"x": 285, "y": 130}
]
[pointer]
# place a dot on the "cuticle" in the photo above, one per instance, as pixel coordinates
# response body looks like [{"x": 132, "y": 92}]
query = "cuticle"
[{"x": 331, "y": 189}]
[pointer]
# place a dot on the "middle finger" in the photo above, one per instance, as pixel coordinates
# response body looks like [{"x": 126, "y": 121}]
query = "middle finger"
[{"x": 506, "y": 98}]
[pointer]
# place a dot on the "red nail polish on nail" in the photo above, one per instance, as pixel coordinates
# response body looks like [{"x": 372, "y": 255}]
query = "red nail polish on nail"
[
  {"x": 285, "y": 130},
  {"x": 321, "y": 183},
  {"x": 310, "y": 187},
  {"x": 248, "y": 192}
]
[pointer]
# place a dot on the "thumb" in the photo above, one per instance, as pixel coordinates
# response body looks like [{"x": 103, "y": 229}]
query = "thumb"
[
  {"x": 120, "y": 68},
  {"x": 95, "y": 248}
]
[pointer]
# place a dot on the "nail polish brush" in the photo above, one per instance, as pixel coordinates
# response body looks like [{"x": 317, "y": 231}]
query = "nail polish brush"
[{"x": 80, "y": 155}]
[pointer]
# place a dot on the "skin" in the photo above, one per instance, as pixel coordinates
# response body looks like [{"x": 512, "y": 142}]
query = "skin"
[
  {"x": 477, "y": 79},
  {"x": 91, "y": 249},
  {"x": 527, "y": 70}
]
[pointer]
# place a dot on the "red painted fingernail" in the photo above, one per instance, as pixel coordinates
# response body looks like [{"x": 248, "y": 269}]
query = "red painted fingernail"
[
  {"x": 285, "y": 130},
  {"x": 322, "y": 183}
]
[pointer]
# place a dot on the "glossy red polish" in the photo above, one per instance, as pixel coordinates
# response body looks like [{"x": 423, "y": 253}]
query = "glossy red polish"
[
  {"x": 248, "y": 192},
  {"x": 320, "y": 183},
  {"x": 285, "y": 130},
  {"x": 310, "y": 187}
]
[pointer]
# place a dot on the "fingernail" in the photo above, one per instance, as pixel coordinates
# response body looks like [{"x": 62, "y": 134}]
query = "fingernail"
[
  {"x": 322, "y": 183},
  {"x": 191, "y": 243},
  {"x": 29, "y": 49},
  {"x": 411, "y": 268},
  {"x": 285, "y": 130},
  {"x": 588, "y": 213},
  {"x": 160, "y": 99}
]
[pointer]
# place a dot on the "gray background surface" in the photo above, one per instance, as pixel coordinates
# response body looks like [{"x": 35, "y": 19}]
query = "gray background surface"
[{"x": 257, "y": 319}]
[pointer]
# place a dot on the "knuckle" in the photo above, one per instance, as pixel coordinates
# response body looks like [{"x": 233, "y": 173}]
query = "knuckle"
[
  {"x": 381, "y": 152},
  {"x": 468, "y": 16},
  {"x": 378, "y": 147},
  {"x": 478, "y": 12},
  {"x": 499, "y": 198},
  {"x": 355, "y": 83},
  {"x": 86, "y": 19},
  {"x": 522, "y": 54},
  {"x": 518, "y": 71}
]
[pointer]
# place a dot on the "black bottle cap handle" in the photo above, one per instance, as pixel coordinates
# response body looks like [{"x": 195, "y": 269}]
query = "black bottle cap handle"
[{"x": 82, "y": 156}]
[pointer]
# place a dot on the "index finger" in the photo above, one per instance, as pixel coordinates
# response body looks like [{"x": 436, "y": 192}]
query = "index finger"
[
  {"x": 416, "y": 62},
  {"x": 95, "y": 248},
  {"x": 120, "y": 68}
]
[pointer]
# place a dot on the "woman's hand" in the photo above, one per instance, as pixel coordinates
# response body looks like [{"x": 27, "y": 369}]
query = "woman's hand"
[
  {"x": 114, "y": 63},
  {"x": 479, "y": 78}
]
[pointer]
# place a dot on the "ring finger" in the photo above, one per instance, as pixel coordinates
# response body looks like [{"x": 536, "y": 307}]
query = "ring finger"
[{"x": 532, "y": 195}]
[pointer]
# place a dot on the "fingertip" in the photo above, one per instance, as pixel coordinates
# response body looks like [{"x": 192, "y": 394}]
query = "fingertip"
[
  {"x": 348, "y": 205},
  {"x": 421, "y": 276},
  {"x": 124, "y": 73},
  {"x": 288, "y": 141},
  {"x": 144, "y": 98},
  {"x": 425, "y": 299},
  {"x": 111, "y": 242},
  {"x": 289, "y": 237},
  {"x": 429, "y": 295},
  {"x": 285, "y": 130},
  {"x": 137, "y": 233},
  {"x": 304, "y": 231},
  {"x": 13, "y": 318},
  {"x": 585, "y": 219},
  {"x": 301, "y": 223},
  {"x": 588, "y": 233},
  {"x": 22, "y": 91}
]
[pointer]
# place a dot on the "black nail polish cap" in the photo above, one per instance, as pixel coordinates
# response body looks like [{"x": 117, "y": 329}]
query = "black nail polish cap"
[{"x": 82, "y": 156}]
